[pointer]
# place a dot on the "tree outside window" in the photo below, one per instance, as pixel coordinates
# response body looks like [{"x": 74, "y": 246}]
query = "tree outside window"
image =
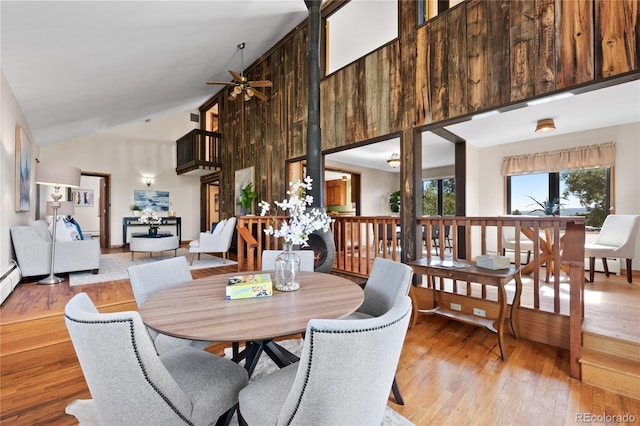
[{"x": 439, "y": 197}]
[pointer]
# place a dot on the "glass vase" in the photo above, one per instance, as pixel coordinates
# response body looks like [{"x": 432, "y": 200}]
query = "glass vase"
[{"x": 287, "y": 270}]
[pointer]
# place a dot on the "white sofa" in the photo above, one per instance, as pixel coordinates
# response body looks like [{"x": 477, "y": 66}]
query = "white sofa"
[
  {"x": 218, "y": 241},
  {"x": 32, "y": 246}
]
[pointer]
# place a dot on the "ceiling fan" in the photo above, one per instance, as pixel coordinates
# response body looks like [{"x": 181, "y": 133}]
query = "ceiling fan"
[{"x": 241, "y": 85}]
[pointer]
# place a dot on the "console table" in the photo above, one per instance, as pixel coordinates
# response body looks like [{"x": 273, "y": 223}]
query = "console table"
[
  {"x": 166, "y": 221},
  {"x": 468, "y": 271}
]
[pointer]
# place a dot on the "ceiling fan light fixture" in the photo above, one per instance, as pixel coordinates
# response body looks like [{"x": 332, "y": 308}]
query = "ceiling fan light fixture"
[
  {"x": 545, "y": 125},
  {"x": 394, "y": 161}
]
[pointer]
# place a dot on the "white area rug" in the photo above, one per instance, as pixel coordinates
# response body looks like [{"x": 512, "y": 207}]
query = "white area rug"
[
  {"x": 84, "y": 410},
  {"x": 114, "y": 266}
]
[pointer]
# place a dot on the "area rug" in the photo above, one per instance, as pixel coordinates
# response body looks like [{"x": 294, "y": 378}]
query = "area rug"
[
  {"x": 114, "y": 266},
  {"x": 84, "y": 410}
]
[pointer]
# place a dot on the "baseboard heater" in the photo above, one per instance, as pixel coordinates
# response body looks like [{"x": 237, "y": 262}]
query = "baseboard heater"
[{"x": 9, "y": 280}]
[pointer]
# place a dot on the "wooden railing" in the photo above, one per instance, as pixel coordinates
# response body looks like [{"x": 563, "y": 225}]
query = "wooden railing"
[
  {"x": 359, "y": 240},
  {"x": 198, "y": 150}
]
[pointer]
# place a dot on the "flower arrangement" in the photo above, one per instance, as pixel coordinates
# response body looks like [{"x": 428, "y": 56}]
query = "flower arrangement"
[
  {"x": 150, "y": 218},
  {"x": 302, "y": 221}
]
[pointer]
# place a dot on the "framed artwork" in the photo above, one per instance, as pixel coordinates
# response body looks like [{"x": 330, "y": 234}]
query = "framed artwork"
[
  {"x": 153, "y": 200},
  {"x": 82, "y": 197},
  {"x": 243, "y": 177},
  {"x": 23, "y": 170},
  {"x": 216, "y": 202}
]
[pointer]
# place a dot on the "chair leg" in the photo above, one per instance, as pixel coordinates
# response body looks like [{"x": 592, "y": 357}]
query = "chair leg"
[
  {"x": 191, "y": 258},
  {"x": 225, "y": 419},
  {"x": 629, "y": 270},
  {"x": 396, "y": 392},
  {"x": 606, "y": 267},
  {"x": 592, "y": 267}
]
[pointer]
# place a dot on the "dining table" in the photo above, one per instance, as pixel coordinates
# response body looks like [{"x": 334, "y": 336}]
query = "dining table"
[
  {"x": 547, "y": 251},
  {"x": 199, "y": 310}
]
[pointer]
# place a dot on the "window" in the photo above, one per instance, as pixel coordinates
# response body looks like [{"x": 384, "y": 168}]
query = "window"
[
  {"x": 428, "y": 9},
  {"x": 579, "y": 177},
  {"x": 357, "y": 28},
  {"x": 582, "y": 192},
  {"x": 439, "y": 197}
]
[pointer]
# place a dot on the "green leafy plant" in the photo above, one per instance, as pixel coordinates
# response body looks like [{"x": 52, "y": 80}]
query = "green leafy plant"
[
  {"x": 394, "y": 202},
  {"x": 551, "y": 208},
  {"x": 247, "y": 195},
  {"x": 135, "y": 207}
]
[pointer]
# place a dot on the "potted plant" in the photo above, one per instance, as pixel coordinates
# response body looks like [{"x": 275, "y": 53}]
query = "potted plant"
[
  {"x": 135, "y": 209},
  {"x": 394, "y": 202},
  {"x": 247, "y": 195}
]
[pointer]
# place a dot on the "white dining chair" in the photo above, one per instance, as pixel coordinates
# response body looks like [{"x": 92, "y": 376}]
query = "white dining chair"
[
  {"x": 617, "y": 239},
  {"x": 307, "y": 259},
  {"x": 130, "y": 384},
  {"x": 148, "y": 279},
  {"x": 343, "y": 376}
]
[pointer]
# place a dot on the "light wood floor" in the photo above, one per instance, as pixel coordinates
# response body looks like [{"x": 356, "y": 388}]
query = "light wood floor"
[{"x": 450, "y": 373}]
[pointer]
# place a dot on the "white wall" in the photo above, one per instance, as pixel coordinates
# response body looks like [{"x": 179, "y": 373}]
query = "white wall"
[
  {"x": 11, "y": 115},
  {"x": 485, "y": 185},
  {"x": 130, "y": 153},
  {"x": 376, "y": 188}
]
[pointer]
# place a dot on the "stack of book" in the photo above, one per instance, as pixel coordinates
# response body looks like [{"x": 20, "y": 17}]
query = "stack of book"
[{"x": 246, "y": 286}]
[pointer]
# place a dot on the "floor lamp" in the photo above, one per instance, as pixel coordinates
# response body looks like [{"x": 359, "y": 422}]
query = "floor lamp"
[{"x": 57, "y": 176}]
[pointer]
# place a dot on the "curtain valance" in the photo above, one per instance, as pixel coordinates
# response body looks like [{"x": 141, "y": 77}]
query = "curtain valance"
[{"x": 582, "y": 157}]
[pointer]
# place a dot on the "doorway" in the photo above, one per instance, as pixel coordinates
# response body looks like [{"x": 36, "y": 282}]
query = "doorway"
[
  {"x": 94, "y": 216},
  {"x": 209, "y": 201}
]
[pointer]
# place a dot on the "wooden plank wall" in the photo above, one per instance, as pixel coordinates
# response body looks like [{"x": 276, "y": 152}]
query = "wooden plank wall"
[{"x": 479, "y": 55}]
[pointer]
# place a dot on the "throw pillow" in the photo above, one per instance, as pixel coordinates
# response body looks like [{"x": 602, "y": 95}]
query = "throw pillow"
[
  {"x": 219, "y": 227},
  {"x": 62, "y": 234},
  {"x": 77, "y": 225},
  {"x": 213, "y": 226},
  {"x": 72, "y": 230}
]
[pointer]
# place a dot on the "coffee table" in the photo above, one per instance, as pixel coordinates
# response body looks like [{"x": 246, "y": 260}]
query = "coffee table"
[
  {"x": 159, "y": 242},
  {"x": 198, "y": 310}
]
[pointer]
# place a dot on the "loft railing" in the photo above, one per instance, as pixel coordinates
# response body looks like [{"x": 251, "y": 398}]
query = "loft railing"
[{"x": 198, "y": 151}]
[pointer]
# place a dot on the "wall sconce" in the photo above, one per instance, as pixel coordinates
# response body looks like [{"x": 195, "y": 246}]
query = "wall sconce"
[
  {"x": 148, "y": 180},
  {"x": 545, "y": 125},
  {"x": 394, "y": 161}
]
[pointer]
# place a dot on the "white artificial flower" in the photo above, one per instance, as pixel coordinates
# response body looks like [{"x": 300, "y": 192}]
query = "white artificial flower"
[{"x": 302, "y": 221}]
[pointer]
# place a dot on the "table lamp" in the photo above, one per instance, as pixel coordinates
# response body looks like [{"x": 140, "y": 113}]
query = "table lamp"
[{"x": 57, "y": 176}]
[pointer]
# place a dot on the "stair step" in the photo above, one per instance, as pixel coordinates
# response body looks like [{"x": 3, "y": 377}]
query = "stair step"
[
  {"x": 611, "y": 345},
  {"x": 611, "y": 372}
]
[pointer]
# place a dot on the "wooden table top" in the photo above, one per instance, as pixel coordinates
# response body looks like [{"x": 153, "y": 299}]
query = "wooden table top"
[{"x": 198, "y": 309}]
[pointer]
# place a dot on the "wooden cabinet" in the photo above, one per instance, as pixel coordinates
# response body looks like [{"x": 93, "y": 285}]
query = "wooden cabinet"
[{"x": 336, "y": 192}]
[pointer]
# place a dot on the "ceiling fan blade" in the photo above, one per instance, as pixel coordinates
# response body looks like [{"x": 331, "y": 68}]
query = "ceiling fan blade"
[
  {"x": 258, "y": 94},
  {"x": 235, "y": 75},
  {"x": 261, "y": 83},
  {"x": 226, "y": 83}
]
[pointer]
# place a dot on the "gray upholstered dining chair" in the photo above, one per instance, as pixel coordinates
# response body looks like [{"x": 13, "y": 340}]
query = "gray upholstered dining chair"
[
  {"x": 148, "y": 279},
  {"x": 617, "y": 238},
  {"x": 131, "y": 384},
  {"x": 343, "y": 376},
  {"x": 307, "y": 259},
  {"x": 388, "y": 282}
]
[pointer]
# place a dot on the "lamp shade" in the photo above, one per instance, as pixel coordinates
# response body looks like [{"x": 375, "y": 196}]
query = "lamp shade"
[
  {"x": 57, "y": 175},
  {"x": 65, "y": 209}
]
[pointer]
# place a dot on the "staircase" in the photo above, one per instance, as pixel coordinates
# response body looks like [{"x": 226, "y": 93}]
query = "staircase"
[{"x": 611, "y": 363}]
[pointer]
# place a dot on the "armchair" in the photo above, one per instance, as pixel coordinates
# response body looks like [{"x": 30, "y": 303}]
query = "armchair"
[
  {"x": 219, "y": 241},
  {"x": 617, "y": 239}
]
